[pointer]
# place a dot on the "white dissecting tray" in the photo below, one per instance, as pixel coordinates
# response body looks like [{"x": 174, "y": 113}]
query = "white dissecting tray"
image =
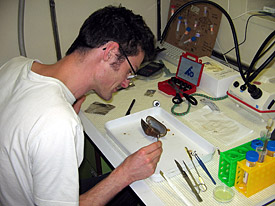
[{"x": 128, "y": 134}]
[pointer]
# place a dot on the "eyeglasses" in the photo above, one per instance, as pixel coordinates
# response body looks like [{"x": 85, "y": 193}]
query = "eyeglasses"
[{"x": 133, "y": 72}]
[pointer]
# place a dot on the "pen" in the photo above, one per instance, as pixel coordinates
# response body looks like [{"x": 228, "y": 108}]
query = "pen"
[
  {"x": 204, "y": 167},
  {"x": 130, "y": 108}
]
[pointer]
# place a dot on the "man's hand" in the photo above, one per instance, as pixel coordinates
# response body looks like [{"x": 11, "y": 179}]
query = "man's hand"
[
  {"x": 137, "y": 166},
  {"x": 78, "y": 103},
  {"x": 142, "y": 163}
]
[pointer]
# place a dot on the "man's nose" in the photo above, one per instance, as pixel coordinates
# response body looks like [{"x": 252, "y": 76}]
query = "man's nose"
[{"x": 125, "y": 83}]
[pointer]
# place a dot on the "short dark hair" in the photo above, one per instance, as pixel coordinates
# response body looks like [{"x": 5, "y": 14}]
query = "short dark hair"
[{"x": 116, "y": 24}]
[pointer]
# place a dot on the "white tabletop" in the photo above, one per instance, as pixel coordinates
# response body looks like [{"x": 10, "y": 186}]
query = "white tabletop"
[{"x": 159, "y": 193}]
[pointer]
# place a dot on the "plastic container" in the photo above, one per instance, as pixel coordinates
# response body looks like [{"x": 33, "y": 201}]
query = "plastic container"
[
  {"x": 251, "y": 159},
  {"x": 259, "y": 177},
  {"x": 223, "y": 193},
  {"x": 271, "y": 148},
  {"x": 228, "y": 163},
  {"x": 126, "y": 132}
]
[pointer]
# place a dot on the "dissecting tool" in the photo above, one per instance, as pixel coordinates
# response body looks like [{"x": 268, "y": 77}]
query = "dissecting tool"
[
  {"x": 184, "y": 199},
  {"x": 200, "y": 178},
  {"x": 203, "y": 166},
  {"x": 188, "y": 181},
  {"x": 210, "y": 104},
  {"x": 130, "y": 108},
  {"x": 267, "y": 136},
  {"x": 196, "y": 184},
  {"x": 177, "y": 99}
]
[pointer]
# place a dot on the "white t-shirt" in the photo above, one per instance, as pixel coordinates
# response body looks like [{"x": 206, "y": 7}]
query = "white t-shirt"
[{"x": 41, "y": 138}]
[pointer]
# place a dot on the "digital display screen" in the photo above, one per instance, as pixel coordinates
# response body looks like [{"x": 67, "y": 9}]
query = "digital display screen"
[{"x": 189, "y": 70}]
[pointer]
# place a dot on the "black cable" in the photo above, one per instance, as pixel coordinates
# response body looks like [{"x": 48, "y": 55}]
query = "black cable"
[
  {"x": 258, "y": 55},
  {"x": 20, "y": 27},
  {"x": 246, "y": 26},
  {"x": 55, "y": 30},
  {"x": 253, "y": 76},
  {"x": 230, "y": 23},
  {"x": 159, "y": 19}
]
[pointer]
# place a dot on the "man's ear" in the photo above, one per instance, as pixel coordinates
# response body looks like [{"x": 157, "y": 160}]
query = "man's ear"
[{"x": 111, "y": 50}]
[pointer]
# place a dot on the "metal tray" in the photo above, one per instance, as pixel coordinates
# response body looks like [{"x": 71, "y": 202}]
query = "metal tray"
[{"x": 129, "y": 136}]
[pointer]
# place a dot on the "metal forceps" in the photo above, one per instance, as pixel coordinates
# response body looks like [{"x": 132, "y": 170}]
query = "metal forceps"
[
  {"x": 201, "y": 186},
  {"x": 197, "y": 186},
  {"x": 177, "y": 99}
]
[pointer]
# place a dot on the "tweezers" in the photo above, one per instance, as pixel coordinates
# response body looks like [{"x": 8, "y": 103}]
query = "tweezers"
[{"x": 188, "y": 181}]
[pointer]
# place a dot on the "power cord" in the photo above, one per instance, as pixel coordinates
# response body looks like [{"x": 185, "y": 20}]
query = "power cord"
[
  {"x": 189, "y": 105},
  {"x": 259, "y": 11},
  {"x": 245, "y": 33}
]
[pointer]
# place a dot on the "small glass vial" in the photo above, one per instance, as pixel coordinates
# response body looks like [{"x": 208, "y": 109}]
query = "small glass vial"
[
  {"x": 251, "y": 160},
  {"x": 271, "y": 148},
  {"x": 178, "y": 28},
  {"x": 262, "y": 153},
  {"x": 173, "y": 7}
]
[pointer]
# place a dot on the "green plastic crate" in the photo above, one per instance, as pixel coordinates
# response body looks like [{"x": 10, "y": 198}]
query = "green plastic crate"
[{"x": 228, "y": 163}]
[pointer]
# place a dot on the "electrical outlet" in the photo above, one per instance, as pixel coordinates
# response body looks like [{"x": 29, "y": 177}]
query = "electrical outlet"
[{"x": 269, "y": 9}]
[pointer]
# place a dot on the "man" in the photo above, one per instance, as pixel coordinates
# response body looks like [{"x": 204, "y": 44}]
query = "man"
[{"x": 41, "y": 136}]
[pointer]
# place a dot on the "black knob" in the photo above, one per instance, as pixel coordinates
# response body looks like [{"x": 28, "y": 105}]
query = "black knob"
[
  {"x": 255, "y": 92},
  {"x": 236, "y": 84},
  {"x": 243, "y": 87}
]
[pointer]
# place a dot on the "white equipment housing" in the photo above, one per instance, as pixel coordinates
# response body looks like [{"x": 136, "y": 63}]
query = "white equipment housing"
[{"x": 264, "y": 107}]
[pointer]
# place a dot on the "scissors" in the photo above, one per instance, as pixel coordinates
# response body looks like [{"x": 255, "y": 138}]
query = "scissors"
[
  {"x": 177, "y": 99},
  {"x": 201, "y": 186}
]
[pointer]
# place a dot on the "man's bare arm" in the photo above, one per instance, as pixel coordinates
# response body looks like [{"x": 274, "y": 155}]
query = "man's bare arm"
[{"x": 137, "y": 166}]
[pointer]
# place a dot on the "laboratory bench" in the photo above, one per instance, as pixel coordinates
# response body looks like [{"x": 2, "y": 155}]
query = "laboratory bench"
[{"x": 159, "y": 193}]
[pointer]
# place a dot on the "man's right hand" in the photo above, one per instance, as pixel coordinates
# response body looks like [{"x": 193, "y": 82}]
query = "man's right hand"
[
  {"x": 142, "y": 163},
  {"x": 137, "y": 166}
]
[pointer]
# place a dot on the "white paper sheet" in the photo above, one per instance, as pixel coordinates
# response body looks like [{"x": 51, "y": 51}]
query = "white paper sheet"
[{"x": 217, "y": 125}]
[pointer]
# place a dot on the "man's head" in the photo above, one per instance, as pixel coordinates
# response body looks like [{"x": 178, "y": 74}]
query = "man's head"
[
  {"x": 121, "y": 40},
  {"x": 116, "y": 24}
]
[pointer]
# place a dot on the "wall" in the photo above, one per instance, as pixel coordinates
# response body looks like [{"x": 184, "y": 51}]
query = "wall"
[
  {"x": 71, "y": 14},
  {"x": 258, "y": 29}
]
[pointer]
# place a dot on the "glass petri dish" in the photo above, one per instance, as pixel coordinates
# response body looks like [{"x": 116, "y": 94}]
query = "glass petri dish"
[{"x": 223, "y": 193}]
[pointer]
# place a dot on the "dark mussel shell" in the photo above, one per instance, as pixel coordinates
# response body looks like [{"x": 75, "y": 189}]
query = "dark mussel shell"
[{"x": 153, "y": 127}]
